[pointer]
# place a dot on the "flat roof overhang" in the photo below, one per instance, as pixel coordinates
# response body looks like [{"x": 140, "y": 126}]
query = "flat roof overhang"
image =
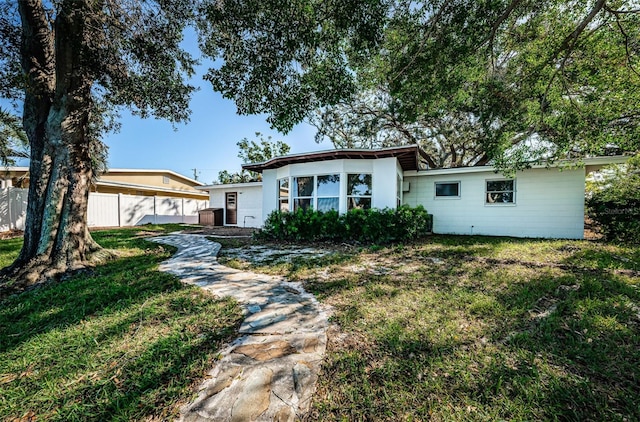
[{"x": 408, "y": 157}]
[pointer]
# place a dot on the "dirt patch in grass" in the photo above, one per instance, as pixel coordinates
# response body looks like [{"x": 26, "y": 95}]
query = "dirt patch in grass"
[{"x": 11, "y": 234}]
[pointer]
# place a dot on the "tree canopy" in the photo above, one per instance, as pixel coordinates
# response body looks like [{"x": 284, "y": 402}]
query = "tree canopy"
[
  {"x": 254, "y": 152},
  {"x": 510, "y": 81}
]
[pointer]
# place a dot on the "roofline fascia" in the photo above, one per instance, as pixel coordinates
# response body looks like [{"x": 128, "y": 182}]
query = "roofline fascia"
[
  {"x": 119, "y": 170},
  {"x": 336, "y": 151},
  {"x": 229, "y": 185},
  {"x": 145, "y": 187},
  {"x": 602, "y": 160}
]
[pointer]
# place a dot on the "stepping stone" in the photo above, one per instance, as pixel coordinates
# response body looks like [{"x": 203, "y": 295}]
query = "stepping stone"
[
  {"x": 254, "y": 398},
  {"x": 265, "y": 351}
]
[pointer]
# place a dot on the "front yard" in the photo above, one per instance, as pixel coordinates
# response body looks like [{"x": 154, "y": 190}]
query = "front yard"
[
  {"x": 121, "y": 342},
  {"x": 474, "y": 328},
  {"x": 447, "y": 328}
]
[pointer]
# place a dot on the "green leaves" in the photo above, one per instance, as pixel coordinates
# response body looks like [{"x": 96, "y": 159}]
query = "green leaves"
[
  {"x": 614, "y": 202},
  {"x": 286, "y": 58},
  {"x": 13, "y": 140},
  {"x": 512, "y": 82},
  {"x": 358, "y": 225},
  {"x": 254, "y": 152}
]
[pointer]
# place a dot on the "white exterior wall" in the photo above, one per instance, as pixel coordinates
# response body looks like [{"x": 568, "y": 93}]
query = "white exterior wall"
[
  {"x": 549, "y": 203},
  {"x": 249, "y": 205},
  {"x": 383, "y": 179},
  {"x": 269, "y": 192}
]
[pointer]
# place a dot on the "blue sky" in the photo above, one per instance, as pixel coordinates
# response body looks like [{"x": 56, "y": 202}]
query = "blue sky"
[{"x": 207, "y": 142}]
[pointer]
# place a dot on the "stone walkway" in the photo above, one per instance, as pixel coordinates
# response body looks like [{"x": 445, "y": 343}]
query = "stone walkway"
[{"x": 270, "y": 372}]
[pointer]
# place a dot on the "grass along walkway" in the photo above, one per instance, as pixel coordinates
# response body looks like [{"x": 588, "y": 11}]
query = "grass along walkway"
[
  {"x": 476, "y": 328},
  {"x": 121, "y": 342}
]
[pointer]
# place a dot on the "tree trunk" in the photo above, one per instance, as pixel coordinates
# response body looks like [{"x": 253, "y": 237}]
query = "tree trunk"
[{"x": 56, "y": 114}]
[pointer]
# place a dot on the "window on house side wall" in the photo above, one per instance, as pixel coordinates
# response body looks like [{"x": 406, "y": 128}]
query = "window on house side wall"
[
  {"x": 447, "y": 189},
  {"x": 359, "y": 188},
  {"x": 500, "y": 192}
]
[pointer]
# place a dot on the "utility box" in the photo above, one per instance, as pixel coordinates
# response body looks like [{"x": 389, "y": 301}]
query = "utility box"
[{"x": 210, "y": 217}]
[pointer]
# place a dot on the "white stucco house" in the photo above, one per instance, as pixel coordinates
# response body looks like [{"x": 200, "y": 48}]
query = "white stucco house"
[{"x": 544, "y": 201}]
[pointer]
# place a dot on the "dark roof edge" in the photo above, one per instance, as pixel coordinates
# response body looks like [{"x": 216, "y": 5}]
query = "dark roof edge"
[{"x": 337, "y": 154}]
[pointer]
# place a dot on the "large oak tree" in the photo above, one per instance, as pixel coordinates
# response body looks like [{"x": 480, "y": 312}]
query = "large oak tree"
[{"x": 72, "y": 63}]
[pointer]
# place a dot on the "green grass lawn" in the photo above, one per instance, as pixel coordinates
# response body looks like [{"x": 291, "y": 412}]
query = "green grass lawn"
[
  {"x": 120, "y": 342},
  {"x": 478, "y": 328},
  {"x": 448, "y": 328}
]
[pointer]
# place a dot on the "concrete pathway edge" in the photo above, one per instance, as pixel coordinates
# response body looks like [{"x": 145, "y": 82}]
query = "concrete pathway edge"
[{"x": 269, "y": 373}]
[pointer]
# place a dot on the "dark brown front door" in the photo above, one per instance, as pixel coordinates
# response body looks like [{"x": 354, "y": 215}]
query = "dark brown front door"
[{"x": 231, "y": 200}]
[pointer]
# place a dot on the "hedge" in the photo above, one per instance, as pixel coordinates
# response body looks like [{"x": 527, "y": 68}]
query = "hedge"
[
  {"x": 615, "y": 203},
  {"x": 371, "y": 226}
]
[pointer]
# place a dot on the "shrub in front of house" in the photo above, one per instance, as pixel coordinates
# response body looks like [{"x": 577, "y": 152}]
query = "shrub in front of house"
[
  {"x": 614, "y": 202},
  {"x": 363, "y": 226}
]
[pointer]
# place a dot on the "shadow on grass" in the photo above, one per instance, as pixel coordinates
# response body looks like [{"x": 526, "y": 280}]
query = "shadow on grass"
[
  {"x": 583, "y": 349},
  {"x": 121, "y": 342},
  {"x": 120, "y": 284},
  {"x": 524, "y": 343}
]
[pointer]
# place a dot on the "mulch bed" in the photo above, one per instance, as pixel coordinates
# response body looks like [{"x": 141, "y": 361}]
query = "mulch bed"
[{"x": 11, "y": 234}]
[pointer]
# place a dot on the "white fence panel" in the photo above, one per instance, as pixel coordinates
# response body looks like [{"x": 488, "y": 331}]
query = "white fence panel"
[
  {"x": 109, "y": 210},
  {"x": 5, "y": 210},
  {"x": 191, "y": 208},
  {"x": 136, "y": 210},
  {"x": 168, "y": 210},
  {"x": 13, "y": 208},
  {"x": 103, "y": 210}
]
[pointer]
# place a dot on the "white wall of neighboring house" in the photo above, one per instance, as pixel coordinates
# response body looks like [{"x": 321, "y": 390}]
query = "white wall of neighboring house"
[
  {"x": 109, "y": 210},
  {"x": 549, "y": 203},
  {"x": 249, "y": 202}
]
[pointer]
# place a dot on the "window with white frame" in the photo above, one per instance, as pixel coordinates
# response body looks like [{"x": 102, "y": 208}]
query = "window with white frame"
[
  {"x": 320, "y": 192},
  {"x": 283, "y": 194},
  {"x": 447, "y": 189},
  {"x": 328, "y": 192},
  {"x": 500, "y": 192},
  {"x": 359, "y": 190},
  {"x": 303, "y": 192}
]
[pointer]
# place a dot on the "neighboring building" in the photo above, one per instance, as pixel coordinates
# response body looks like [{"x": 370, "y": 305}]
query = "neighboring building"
[
  {"x": 121, "y": 197},
  {"x": 538, "y": 202},
  {"x": 141, "y": 182}
]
